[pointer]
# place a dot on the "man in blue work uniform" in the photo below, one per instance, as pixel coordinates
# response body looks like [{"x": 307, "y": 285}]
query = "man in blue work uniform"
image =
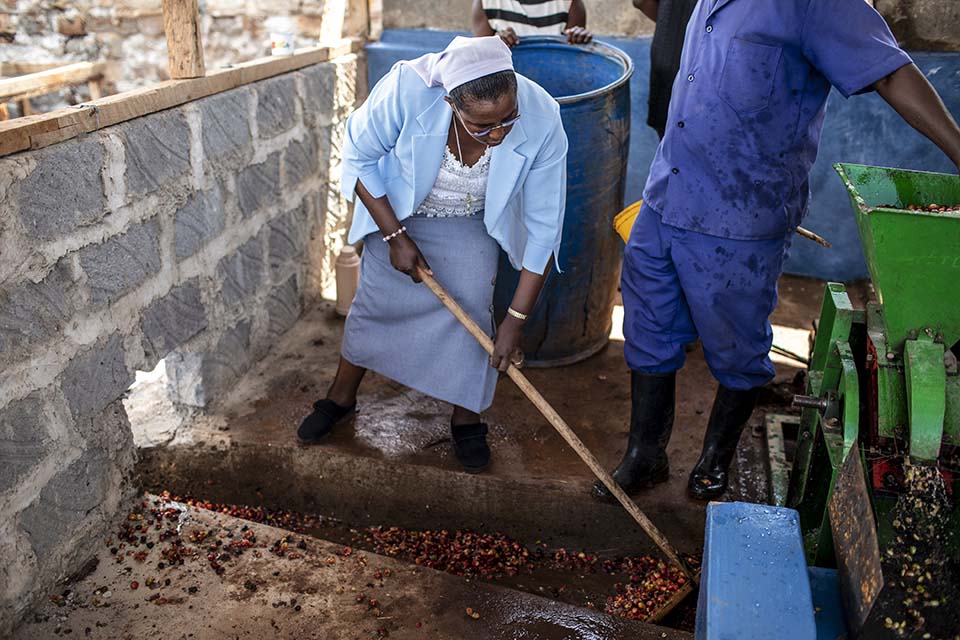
[{"x": 726, "y": 190}]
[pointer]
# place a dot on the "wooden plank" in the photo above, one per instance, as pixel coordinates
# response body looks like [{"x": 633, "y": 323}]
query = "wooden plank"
[
  {"x": 181, "y": 23},
  {"x": 375, "y": 15},
  {"x": 95, "y": 87},
  {"x": 41, "y": 82},
  {"x": 357, "y": 21},
  {"x": 8, "y": 69},
  {"x": 45, "y": 129},
  {"x": 26, "y": 109},
  {"x": 334, "y": 14}
]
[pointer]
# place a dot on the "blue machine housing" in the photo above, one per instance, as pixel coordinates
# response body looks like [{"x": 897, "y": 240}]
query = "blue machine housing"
[{"x": 755, "y": 583}]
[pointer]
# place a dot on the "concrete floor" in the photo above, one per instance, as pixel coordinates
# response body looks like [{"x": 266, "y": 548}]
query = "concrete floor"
[
  {"x": 394, "y": 465},
  {"x": 314, "y": 594}
]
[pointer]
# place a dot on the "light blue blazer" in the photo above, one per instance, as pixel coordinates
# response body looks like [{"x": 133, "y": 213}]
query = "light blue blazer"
[{"x": 395, "y": 143}]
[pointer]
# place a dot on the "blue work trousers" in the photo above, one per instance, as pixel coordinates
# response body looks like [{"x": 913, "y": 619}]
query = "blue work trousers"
[{"x": 679, "y": 284}]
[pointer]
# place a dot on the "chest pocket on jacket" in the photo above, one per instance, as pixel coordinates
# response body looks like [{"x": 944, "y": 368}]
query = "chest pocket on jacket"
[{"x": 748, "y": 75}]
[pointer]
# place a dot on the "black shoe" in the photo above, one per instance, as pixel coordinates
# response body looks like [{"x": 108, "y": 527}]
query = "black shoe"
[
  {"x": 651, "y": 421},
  {"x": 731, "y": 410},
  {"x": 470, "y": 446},
  {"x": 326, "y": 413}
]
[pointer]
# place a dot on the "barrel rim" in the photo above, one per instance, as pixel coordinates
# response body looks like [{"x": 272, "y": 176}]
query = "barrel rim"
[{"x": 596, "y": 46}]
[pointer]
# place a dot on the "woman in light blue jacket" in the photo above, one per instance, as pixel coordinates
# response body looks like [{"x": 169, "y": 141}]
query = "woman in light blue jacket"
[{"x": 453, "y": 156}]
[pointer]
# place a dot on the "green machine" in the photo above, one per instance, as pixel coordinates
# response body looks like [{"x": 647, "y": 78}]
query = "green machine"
[{"x": 882, "y": 404}]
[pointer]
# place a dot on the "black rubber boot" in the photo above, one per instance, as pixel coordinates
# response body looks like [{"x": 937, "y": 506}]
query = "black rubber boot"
[
  {"x": 651, "y": 421},
  {"x": 731, "y": 410},
  {"x": 326, "y": 413},
  {"x": 470, "y": 446}
]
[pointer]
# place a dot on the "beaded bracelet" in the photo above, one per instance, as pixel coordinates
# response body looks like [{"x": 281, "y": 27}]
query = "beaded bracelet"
[{"x": 394, "y": 234}]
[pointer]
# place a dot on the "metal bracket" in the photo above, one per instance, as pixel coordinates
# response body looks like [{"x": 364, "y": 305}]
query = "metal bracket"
[{"x": 926, "y": 395}]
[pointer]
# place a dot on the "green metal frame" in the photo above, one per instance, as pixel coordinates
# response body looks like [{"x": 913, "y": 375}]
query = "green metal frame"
[
  {"x": 849, "y": 395},
  {"x": 777, "y": 455},
  {"x": 951, "y": 417},
  {"x": 891, "y": 386},
  {"x": 836, "y": 318},
  {"x": 825, "y": 441},
  {"x": 912, "y": 256},
  {"x": 926, "y": 396},
  {"x": 914, "y": 262}
]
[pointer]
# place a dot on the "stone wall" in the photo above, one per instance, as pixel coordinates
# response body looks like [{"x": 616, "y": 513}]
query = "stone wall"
[
  {"x": 128, "y": 34},
  {"x": 925, "y": 25},
  {"x": 194, "y": 234},
  {"x": 609, "y": 17}
]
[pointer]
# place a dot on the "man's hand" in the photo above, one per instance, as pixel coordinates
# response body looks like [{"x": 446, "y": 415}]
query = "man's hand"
[
  {"x": 506, "y": 345},
  {"x": 509, "y": 36},
  {"x": 578, "y": 35},
  {"x": 405, "y": 257}
]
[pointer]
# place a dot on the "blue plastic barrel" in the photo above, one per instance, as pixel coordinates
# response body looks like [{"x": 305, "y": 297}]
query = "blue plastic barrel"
[{"x": 591, "y": 83}]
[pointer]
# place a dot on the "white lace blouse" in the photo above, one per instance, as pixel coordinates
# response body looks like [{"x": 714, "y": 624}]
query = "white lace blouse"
[{"x": 459, "y": 191}]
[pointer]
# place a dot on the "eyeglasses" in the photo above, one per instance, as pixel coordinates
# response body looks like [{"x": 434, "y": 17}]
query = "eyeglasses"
[{"x": 485, "y": 132}]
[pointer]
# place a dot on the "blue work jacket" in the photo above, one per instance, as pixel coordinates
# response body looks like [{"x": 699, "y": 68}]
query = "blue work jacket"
[
  {"x": 395, "y": 143},
  {"x": 747, "y": 109}
]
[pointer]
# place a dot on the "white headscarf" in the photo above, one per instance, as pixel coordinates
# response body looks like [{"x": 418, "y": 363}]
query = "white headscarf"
[{"x": 464, "y": 60}]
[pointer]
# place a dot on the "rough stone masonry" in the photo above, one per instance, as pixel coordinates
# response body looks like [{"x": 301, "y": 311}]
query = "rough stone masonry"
[{"x": 194, "y": 234}]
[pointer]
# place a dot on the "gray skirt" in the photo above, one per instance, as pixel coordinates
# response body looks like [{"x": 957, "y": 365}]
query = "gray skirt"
[{"x": 402, "y": 331}]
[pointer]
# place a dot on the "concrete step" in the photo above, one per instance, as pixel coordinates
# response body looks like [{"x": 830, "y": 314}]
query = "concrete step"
[{"x": 315, "y": 591}]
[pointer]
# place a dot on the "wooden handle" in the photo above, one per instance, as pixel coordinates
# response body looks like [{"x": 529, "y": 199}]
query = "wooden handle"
[
  {"x": 558, "y": 423},
  {"x": 806, "y": 233}
]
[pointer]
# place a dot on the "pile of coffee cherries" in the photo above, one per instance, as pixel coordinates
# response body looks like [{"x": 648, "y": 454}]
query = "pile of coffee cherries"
[
  {"x": 280, "y": 518},
  {"x": 934, "y": 208},
  {"x": 648, "y": 586},
  {"x": 462, "y": 553}
]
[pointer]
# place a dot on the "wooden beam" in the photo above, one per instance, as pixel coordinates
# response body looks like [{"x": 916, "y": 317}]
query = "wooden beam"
[
  {"x": 375, "y": 15},
  {"x": 8, "y": 69},
  {"x": 45, "y": 129},
  {"x": 37, "y": 84},
  {"x": 357, "y": 22},
  {"x": 181, "y": 23},
  {"x": 95, "y": 87},
  {"x": 334, "y": 14}
]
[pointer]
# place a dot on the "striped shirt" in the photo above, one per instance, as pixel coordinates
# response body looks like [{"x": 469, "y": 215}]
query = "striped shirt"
[{"x": 528, "y": 17}]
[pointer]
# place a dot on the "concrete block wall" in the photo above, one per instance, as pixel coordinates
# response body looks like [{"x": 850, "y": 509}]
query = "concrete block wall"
[
  {"x": 194, "y": 234},
  {"x": 128, "y": 34}
]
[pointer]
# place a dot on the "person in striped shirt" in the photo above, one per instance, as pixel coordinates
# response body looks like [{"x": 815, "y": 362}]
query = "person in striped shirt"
[{"x": 513, "y": 19}]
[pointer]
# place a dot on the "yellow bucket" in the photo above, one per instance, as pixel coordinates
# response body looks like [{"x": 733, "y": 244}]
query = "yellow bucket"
[{"x": 623, "y": 222}]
